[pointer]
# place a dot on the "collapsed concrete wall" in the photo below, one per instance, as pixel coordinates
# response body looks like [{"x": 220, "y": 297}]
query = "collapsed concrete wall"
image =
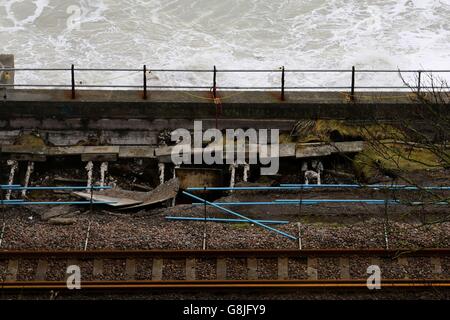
[{"x": 124, "y": 118}]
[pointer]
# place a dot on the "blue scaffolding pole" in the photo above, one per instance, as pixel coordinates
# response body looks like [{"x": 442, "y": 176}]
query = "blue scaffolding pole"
[
  {"x": 370, "y": 186},
  {"x": 240, "y": 216},
  {"x": 305, "y": 201},
  {"x": 226, "y": 220},
  {"x": 318, "y": 186}
]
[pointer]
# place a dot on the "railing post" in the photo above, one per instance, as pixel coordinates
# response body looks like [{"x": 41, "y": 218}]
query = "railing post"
[
  {"x": 282, "y": 83},
  {"x": 418, "y": 81},
  {"x": 352, "y": 94},
  {"x": 73, "y": 81},
  {"x": 214, "y": 82},
  {"x": 145, "y": 82}
]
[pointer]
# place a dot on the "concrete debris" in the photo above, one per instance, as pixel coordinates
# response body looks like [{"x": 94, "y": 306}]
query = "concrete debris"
[
  {"x": 62, "y": 221},
  {"x": 57, "y": 211},
  {"x": 116, "y": 201},
  {"x": 311, "y": 150},
  {"x": 127, "y": 199},
  {"x": 142, "y": 187},
  {"x": 161, "y": 193}
]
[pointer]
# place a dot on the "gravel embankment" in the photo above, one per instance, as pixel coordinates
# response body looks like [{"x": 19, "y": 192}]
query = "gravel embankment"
[{"x": 146, "y": 231}]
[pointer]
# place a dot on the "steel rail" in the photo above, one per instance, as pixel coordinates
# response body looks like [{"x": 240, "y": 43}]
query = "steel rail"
[
  {"x": 225, "y": 284},
  {"x": 111, "y": 253}
]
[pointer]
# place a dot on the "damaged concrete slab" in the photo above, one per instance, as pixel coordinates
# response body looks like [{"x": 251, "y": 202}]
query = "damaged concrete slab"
[
  {"x": 126, "y": 199},
  {"x": 136, "y": 152},
  {"x": 163, "y": 192},
  {"x": 326, "y": 149}
]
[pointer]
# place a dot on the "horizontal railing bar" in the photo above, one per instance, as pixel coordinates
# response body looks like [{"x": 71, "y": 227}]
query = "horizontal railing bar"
[
  {"x": 207, "y": 87},
  {"x": 230, "y": 70},
  {"x": 34, "y": 69}
]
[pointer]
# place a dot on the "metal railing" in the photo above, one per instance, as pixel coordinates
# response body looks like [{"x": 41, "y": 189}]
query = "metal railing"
[{"x": 213, "y": 87}]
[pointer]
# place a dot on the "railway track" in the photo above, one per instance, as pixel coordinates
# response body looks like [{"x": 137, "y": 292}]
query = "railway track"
[
  {"x": 216, "y": 269},
  {"x": 127, "y": 285}
]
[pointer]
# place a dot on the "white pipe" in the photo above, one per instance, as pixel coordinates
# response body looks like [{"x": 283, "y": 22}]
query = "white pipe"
[
  {"x": 89, "y": 168},
  {"x": 312, "y": 175},
  {"x": 103, "y": 170},
  {"x": 320, "y": 168},
  {"x": 174, "y": 171},
  {"x": 30, "y": 169},
  {"x": 14, "y": 164},
  {"x": 233, "y": 174},
  {"x": 246, "y": 171},
  {"x": 161, "y": 167}
]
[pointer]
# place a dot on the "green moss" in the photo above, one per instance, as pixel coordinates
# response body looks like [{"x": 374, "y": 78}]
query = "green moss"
[
  {"x": 30, "y": 140},
  {"x": 393, "y": 157},
  {"x": 332, "y": 130}
]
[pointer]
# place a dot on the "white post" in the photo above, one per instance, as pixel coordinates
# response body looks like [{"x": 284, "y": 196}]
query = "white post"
[
  {"x": 174, "y": 199},
  {"x": 233, "y": 174},
  {"x": 319, "y": 171},
  {"x": 161, "y": 167},
  {"x": 30, "y": 169},
  {"x": 306, "y": 177},
  {"x": 103, "y": 170},
  {"x": 174, "y": 171},
  {"x": 89, "y": 167},
  {"x": 246, "y": 171},
  {"x": 14, "y": 164}
]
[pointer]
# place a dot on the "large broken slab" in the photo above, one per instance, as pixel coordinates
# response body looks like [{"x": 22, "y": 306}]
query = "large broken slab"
[
  {"x": 163, "y": 192},
  {"x": 127, "y": 199},
  {"x": 24, "y": 149},
  {"x": 136, "y": 152},
  {"x": 114, "y": 197},
  {"x": 100, "y": 153},
  {"x": 320, "y": 149}
]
